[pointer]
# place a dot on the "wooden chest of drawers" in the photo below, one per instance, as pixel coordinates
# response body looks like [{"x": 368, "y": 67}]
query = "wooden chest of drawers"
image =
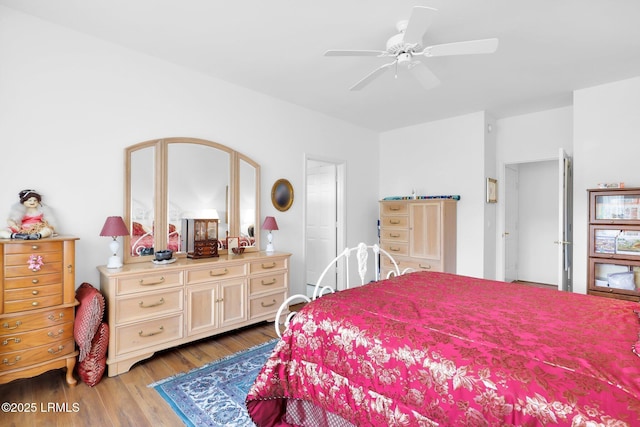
[
  {"x": 37, "y": 306},
  {"x": 155, "y": 307},
  {"x": 419, "y": 234}
]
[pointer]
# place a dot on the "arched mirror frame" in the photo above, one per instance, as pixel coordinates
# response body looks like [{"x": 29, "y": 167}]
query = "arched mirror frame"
[{"x": 160, "y": 196}]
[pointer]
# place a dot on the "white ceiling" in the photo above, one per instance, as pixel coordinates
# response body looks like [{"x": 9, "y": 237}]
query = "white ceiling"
[{"x": 548, "y": 48}]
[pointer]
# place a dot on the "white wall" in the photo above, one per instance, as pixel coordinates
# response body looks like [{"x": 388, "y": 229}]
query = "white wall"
[
  {"x": 70, "y": 104},
  {"x": 606, "y": 149},
  {"x": 443, "y": 157}
]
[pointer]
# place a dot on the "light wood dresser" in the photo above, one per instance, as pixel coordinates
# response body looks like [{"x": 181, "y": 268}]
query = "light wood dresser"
[
  {"x": 37, "y": 307},
  {"x": 154, "y": 307},
  {"x": 420, "y": 234}
]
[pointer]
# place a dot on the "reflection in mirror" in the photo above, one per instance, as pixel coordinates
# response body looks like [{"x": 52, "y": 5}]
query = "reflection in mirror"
[
  {"x": 175, "y": 178},
  {"x": 197, "y": 182},
  {"x": 142, "y": 211},
  {"x": 248, "y": 178}
]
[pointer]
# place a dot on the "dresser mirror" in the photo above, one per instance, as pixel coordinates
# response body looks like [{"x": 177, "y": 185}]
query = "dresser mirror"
[{"x": 171, "y": 179}]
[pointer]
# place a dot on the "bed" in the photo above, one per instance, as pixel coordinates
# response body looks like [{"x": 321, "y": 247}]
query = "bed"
[{"x": 427, "y": 349}]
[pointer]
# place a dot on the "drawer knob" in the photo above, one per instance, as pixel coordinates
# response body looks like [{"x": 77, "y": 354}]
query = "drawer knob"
[
  {"x": 34, "y": 303},
  {"x": 150, "y": 334},
  {"x": 34, "y": 247},
  {"x": 155, "y": 304},
  {"x": 394, "y": 221},
  {"x": 267, "y": 266},
  {"x": 218, "y": 273},
  {"x": 52, "y": 335},
  {"x": 426, "y": 267},
  {"x": 6, "y": 325},
  {"x": 35, "y": 292},
  {"x": 157, "y": 282},
  {"x": 394, "y": 235},
  {"x": 16, "y": 360},
  {"x": 272, "y": 282},
  {"x": 53, "y": 351},
  {"x": 268, "y": 305},
  {"x": 15, "y": 340},
  {"x": 54, "y": 319},
  {"x": 34, "y": 281},
  {"x": 394, "y": 249}
]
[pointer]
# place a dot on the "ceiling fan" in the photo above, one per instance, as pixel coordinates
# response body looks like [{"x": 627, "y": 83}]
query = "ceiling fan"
[{"x": 407, "y": 51}]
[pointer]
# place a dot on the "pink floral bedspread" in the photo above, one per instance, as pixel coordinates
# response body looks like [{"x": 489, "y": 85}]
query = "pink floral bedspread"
[{"x": 430, "y": 349}]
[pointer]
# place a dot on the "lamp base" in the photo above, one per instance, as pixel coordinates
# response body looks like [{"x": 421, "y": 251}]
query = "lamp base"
[
  {"x": 114, "y": 262},
  {"x": 270, "y": 248}
]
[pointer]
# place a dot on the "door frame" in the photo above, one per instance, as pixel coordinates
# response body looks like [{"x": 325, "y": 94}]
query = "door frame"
[
  {"x": 341, "y": 216},
  {"x": 501, "y": 220}
]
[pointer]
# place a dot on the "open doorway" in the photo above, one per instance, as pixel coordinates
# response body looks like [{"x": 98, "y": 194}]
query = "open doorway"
[
  {"x": 324, "y": 219},
  {"x": 537, "y": 222}
]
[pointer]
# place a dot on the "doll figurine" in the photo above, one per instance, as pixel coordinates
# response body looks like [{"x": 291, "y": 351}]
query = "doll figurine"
[{"x": 29, "y": 219}]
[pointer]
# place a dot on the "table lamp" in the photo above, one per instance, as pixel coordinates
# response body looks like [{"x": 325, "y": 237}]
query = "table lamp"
[
  {"x": 270, "y": 224},
  {"x": 114, "y": 226}
]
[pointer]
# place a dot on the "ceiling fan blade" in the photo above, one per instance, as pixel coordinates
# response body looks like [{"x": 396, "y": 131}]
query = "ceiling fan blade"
[
  {"x": 355, "y": 53},
  {"x": 371, "y": 76},
  {"x": 424, "y": 75},
  {"x": 462, "y": 48},
  {"x": 419, "y": 22}
]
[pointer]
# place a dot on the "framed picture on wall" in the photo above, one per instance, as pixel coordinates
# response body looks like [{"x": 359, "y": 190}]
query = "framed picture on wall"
[{"x": 492, "y": 190}]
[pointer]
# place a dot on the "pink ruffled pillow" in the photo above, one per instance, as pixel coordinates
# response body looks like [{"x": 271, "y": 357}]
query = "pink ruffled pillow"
[
  {"x": 88, "y": 317},
  {"x": 92, "y": 368}
]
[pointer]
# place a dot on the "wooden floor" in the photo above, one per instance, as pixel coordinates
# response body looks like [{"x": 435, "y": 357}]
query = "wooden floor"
[
  {"x": 536, "y": 284},
  {"x": 124, "y": 400}
]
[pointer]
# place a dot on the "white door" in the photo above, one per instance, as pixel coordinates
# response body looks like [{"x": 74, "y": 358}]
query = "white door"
[
  {"x": 565, "y": 223},
  {"x": 321, "y": 221},
  {"x": 510, "y": 234}
]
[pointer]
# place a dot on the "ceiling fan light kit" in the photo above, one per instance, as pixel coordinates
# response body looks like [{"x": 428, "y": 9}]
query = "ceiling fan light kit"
[{"x": 406, "y": 49}]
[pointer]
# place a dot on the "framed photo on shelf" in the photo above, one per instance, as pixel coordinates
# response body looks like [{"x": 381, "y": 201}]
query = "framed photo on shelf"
[
  {"x": 232, "y": 242},
  {"x": 492, "y": 190}
]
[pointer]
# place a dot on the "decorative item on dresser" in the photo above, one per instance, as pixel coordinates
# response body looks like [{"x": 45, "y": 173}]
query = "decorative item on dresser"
[
  {"x": 270, "y": 224},
  {"x": 420, "y": 234},
  {"x": 37, "y": 304},
  {"x": 114, "y": 227},
  {"x": 154, "y": 307},
  {"x": 614, "y": 243}
]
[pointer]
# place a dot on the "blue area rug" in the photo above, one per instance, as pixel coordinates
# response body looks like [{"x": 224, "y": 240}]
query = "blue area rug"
[{"x": 214, "y": 395}]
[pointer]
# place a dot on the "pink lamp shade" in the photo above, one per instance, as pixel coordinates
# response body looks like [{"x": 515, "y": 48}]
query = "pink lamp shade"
[
  {"x": 114, "y": 226},
  {"x": 270, "y": 224}
]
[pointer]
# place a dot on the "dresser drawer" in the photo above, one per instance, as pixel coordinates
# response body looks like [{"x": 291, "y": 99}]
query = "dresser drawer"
[
  {"x": 23, "y": 340},
  {"x": 22, "y": 269},
  {"x": 414, "y": 264},
  {"x": 267, "y": 283},
  {"x": 10, "y": 324},
  {"x": 268, "y": 304},
  {"x": 25, "y": 358},
  {"x": 32, "y": 248},
  {"x": 268, "y": 265},
  {"x": 392, "y": 235},
  {"x": 394, "y": 208},
  {"x": 32, "y": 292},
  {"x": 394, "y": 221},
  {"x": 395, "y": 248},
  {"x": 32, "y": 303},
  {"x": 214, "y": 273},
  {"x": 145, "y": 335},
  {"x": 148, "y": 304},
  {"x": 148, "y": 282},
  {"x": 37, "y": 280}
]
